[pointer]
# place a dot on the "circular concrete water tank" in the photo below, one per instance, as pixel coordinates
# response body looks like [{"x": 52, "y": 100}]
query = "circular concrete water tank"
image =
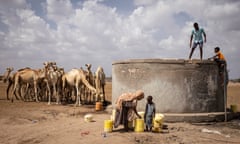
[{"x": 176, "y": 85}]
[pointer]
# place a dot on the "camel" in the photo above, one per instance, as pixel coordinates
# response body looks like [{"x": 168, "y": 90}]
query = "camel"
[
  {"x": 6, "y": 75},
  {"x": 53, "y": 75},
  {"x": 100, "y": 83},
  {"x": 28, "y": 88},
  {"x": 27, "y": 76},
  {"x": 90, "y": 79},
  {"x": 8, "y": 78},
  {"x": 75, "y": 78}
]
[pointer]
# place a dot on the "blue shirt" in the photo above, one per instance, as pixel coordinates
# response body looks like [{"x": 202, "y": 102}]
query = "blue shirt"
[
  {"x": 150, "y": 109},
  {"x": 198, "y": 38}
]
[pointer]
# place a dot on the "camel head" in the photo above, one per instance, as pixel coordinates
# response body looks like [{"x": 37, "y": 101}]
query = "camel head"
[
  {"x": 46, "y": 64},
  {"x": 61, "y": 70},
  {"x": 9, "y": 69},
  {"x": 50, "y": 65},
  {"x": 53, "y": 63},
  {"x": 99, "y": 97},
  {"x": 88, "y": 66},
  {"x": 55, "y": 68},
  {"x": 7, "y": 74},
  {"x": 41, "y": 73}
]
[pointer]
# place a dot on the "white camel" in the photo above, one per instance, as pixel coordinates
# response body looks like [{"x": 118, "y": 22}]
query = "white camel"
[
  {"x": 52, "y": 78},
  {"x": 100, "y": 83},
  {"x": 75, "y": 78}
]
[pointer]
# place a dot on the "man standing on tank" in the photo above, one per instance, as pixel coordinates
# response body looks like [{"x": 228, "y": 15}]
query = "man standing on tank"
[{"x": 197, "y": 34}]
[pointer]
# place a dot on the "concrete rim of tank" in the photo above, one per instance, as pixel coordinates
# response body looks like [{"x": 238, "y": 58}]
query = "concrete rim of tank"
[{"x": 164, "y": 61}]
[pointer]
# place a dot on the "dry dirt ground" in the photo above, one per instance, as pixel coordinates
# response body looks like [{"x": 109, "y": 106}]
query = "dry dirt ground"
[{"x": 39, "y": 123}]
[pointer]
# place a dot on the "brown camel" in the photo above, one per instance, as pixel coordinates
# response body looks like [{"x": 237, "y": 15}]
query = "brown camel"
[
  {"x": 27, "y": 76},
  {"x": 75, "y": 78},
  {"x": 89, "y": 96},
  {"x": 7, "y": 77},
  {"x": 10, "y": 79}
]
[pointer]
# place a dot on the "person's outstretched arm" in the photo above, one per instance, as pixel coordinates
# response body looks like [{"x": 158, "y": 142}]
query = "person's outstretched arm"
[
  {"x": 137, "y": 113},
  {"x": 135, "y": 110}
]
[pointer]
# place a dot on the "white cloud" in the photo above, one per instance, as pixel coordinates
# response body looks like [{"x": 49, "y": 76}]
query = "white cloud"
[
  {"x": 59, "y": 10},
  {"x": 96, "y": 33},
  {"x": 144, "y": 2}
]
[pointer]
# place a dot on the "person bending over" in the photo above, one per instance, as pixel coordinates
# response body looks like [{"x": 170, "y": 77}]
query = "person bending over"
[{"x": 126, "y": 108}]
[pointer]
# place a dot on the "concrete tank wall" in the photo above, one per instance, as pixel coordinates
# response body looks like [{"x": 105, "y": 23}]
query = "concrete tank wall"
[{"x": 177, "y": 86}]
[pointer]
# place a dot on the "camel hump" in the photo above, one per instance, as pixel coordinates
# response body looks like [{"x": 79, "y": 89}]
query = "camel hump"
[
  {"x": 10, "y": 69},
  {"x": 24, "y": 69}
]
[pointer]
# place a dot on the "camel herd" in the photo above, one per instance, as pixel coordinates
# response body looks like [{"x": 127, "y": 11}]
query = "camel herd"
[{"x": 52, "y": 83}]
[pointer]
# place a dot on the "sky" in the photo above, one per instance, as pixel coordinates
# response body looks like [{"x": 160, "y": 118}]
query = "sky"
[{"x": 76, "y": 32}]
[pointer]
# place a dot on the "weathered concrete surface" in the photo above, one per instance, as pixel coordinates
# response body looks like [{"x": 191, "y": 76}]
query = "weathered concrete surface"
[{"x": 176, "y": 85}]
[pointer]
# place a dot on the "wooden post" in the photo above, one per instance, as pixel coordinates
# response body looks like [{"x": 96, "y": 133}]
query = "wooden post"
[{"x": 225, "y": 92}]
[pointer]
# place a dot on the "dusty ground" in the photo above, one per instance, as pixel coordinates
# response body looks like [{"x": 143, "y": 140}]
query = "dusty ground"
[{"x": 32, "y": 123}]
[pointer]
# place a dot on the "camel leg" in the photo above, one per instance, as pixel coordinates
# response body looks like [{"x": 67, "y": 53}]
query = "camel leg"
[
  {"x": 49, "y": 94},
  {"x": 103, "y": 96},
  {"x": 89, "y": 97},
  {"x": 19, "y": 88},
  {"x": 59, "y": 93},
  {"x": 25, "y": 92},
  {"x": 12, "y": 93},
  {"x": 78, "y": 97},
  {"x": 35, "y": 91},
  {"x": 63, "y": 91},
  {"x": 14, "y": 89},
  {"x": 15, "y": 94},
  {"x": 84, "y": 93},
  {"x": 56, "y": 94},
  {"x": 8, "y": 88}
]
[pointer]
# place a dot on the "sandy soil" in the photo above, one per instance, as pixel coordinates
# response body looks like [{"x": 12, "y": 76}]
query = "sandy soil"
[{"x": 33, "y": 123}]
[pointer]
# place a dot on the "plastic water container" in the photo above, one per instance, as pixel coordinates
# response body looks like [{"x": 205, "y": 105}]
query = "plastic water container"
[
  {"x": 88, "y": 118},
  {"x": 98, "y": 106},
  {"x": 108, "y": 125},
  {"x": 157, "y": 122},
  {"x": 159, "y": 118},
  {"x": 112, "y": 117},
  {"x": 139, "y": 125}
]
